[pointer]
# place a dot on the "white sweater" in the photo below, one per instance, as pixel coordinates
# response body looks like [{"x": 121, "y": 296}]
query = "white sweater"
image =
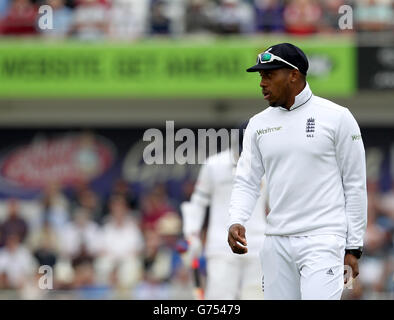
[
  {"x": 213, "y": 188},
  {"x": 314, "y": 161}
]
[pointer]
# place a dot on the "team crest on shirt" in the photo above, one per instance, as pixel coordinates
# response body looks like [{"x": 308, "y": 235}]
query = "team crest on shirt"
[{"x": 310, "y": 127}]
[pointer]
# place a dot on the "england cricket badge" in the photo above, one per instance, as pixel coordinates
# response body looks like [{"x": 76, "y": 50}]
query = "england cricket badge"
[{"x": 310, "y": 127}]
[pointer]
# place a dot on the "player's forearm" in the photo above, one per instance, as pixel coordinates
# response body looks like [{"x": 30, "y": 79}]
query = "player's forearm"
[
  {"x": 356, "y": 203},
  {"x": 243, "y": 200},
  {"x": 356, "y": 214}
]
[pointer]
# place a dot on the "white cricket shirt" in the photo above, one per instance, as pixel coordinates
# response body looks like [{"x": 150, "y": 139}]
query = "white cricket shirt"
[{"x": 314, "y": 161}]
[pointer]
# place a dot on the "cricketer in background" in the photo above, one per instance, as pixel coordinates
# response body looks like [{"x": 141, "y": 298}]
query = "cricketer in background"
[
  {"x": 228, "y": 276},
  {"x": 312, "y": 154}
]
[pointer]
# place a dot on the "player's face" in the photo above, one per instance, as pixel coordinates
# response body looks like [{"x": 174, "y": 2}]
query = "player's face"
[{"x": 275, "y": 85}]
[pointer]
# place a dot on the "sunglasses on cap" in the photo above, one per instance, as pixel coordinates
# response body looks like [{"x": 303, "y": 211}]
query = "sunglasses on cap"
[{"x": 267, "y": 57}]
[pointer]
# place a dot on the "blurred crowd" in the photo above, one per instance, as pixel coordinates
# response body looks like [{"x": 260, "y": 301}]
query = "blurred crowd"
[
  {"x": 134, "y": 19},
  {"x": 96, "y": 247},
  {"x": 128, "y": 247}
]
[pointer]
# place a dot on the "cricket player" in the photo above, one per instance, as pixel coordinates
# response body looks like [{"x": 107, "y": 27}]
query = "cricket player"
[
  {"x": 228, "y": 276},
  {"x": 311, "y": 152}
]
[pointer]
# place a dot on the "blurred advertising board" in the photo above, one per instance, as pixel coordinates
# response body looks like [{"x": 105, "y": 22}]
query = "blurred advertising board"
[
  {"x": 376, "y": 68},
  {"x": 32, "y": 158},
  {"x": 68, "y": 159},
  {"x": 162, "y": 69}
]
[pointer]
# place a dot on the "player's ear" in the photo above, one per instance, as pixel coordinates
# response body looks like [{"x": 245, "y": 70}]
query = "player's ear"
[{"x": 295, "y": 75}]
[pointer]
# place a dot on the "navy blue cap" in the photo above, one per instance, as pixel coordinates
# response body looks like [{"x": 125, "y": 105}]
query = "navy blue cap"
[{"x": 288, "y": 52}]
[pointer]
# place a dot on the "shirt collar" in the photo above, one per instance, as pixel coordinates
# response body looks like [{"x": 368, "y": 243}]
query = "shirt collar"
[{"x": 300, "y": 99}]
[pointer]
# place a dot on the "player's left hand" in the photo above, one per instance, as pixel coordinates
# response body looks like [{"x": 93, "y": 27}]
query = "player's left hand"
[{"x": 352, "y": 261}]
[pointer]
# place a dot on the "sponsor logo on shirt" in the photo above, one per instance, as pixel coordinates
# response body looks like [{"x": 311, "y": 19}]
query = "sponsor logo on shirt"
[
  {"x": 310, "y": 127},
  {"x": 356, "y": 137},
  {"x": 268, "y": 130}
]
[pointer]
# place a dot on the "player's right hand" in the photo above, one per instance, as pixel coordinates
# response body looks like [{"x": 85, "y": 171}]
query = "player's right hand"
[{"x": 236, "y": 239}]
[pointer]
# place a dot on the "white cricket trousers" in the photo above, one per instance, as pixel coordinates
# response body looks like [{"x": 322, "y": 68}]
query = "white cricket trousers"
[
  {"x": 233, "y": 277},
  {"x": 304, "y": 267}
]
